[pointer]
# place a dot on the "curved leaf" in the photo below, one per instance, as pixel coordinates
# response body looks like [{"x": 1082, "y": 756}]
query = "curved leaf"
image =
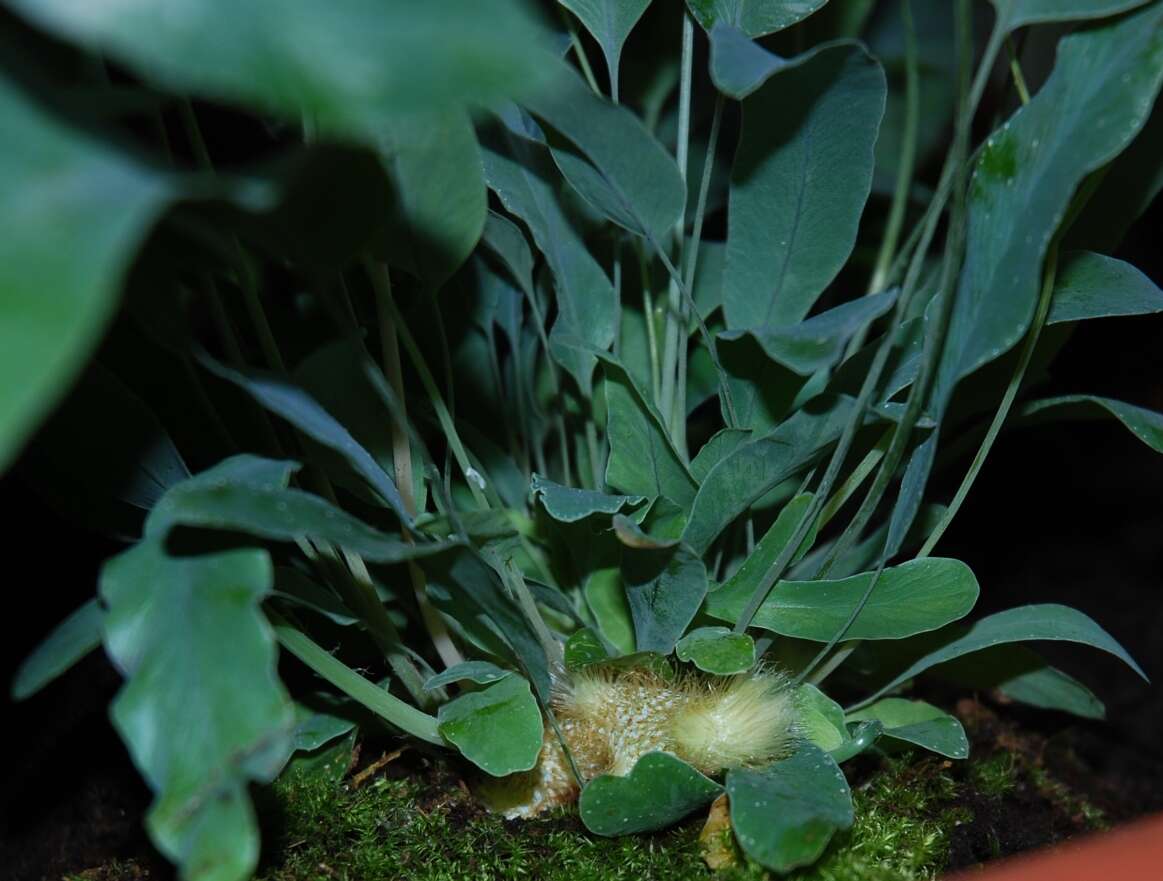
[
  {"x": 664, "y": 588},
  {"x": 1093, "y": 286},
  {"x": 1146, "y": 425},
  {"x": 802, "y": 173},
  {"x": 1013, "y": 14},
  {"x": 69, "y": 641},
  {"x": 73, "y": 214},
  {"x": 821, "y": 718},
  {"x": 660, "y": 790},
  {"x": 914, "y": 597},
  {"x": 754, "y": 17},
  {"x": 918, "y": 723},
  {"x": 1024, "y": 624},
  {"x": 610, "y": 23},
  {"x": 784, "y": 815},
  {"x": 569, "y": 505}
]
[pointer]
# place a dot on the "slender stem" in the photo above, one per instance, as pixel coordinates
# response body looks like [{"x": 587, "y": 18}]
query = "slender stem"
[
  {"x": 904, "y": 178},
  {"x": 520, "y": 590},
  {"x": 1004, "y": 407},
  {"x": 848, "y": 488},
  {"x": 472, "y": 477},
  {"x": 672, "y": 334},
  {"x": 1016, "y": 72},
  {"x": 592, "y": 450},
  {"x": 651, "y": 331},
  {"x": 579, "y": 51},
  {"x": 402, "y": 462}
]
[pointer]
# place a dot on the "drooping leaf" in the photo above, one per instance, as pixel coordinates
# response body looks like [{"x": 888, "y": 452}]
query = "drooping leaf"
[
  {"x": 610, "y": 23},
  {"x": 569, "y": 505},
  {"x": 68, "y": 643},
  {"x": 784, "y": 815},
  {"x": 480, "y": 672},
  {"x": 343, "y": 66},
  {"x": 498, "y": 728},
  {"x": 440, "y": 196},
  {"x": 629, "y": 176},
  {"x": 284, "y": 398},
  {"x": 717, "y": 650},
  {"x": 660, "y": 790},
  {"x": 754, "y": 468},
  {"x": 202, "y": 711},
  {"x": 754, "y": 17},
  {"x": 801, "y": 176},
  {"x": 914, "y": 597},
  {"x": 1146, "y": 425},
  {"x": 584, "y": 647},
  {"x": 722, "y": 444},
  {"x": 1048, "y": 621},
  {"x": 642, "y": 460},
  {"x": 522, "y": 175},
  {"x": 665, "y": 588},
  {"x": 918, "y": 723},
  {"x": 74, "y": 213},
  {"x": 1013, "y": 14},
  {"x": 817, "y": 343},
  {"x": 1090, "y": 285},
  {"x": 236, "y": 495},
  {"x": 505, "y": 239}
]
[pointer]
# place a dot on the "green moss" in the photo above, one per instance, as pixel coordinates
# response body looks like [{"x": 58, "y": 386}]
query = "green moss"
[
  {"x": 995, "y": 775},
  {"x": 392, "y": 829}
]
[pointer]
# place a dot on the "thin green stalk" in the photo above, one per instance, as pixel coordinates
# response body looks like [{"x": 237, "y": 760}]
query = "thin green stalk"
[
  {"x": 382, "y": 286},
  {"x": 1004, "y": 407},
  {"x": 385, "y": 705},
  {"x": 402, "y": 462},
  {"x": 579, "y": 51},
  {"x": 1016, "y": 72},
  {"x": 592, "y": 450},
  {"x": 904, "y": 179},
  {"x": 651, "y": 332},
  {"x": 852, "y": 483},
  {"x": 515, "y": 581},
  {"x": 673, "y": 334}
]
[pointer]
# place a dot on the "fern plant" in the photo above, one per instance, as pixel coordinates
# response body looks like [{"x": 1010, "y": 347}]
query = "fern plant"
[{"x": 577, "y": 420}]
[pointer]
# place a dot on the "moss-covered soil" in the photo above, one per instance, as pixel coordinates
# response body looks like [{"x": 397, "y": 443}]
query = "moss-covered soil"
[{"x": 411, "y": 815}]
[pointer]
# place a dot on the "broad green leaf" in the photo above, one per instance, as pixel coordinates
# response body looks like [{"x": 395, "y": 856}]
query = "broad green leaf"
[
  {"x": 1146, "y": 425},
  {"x": 821, "y": 718},
  {"x": 802, "y": 173},
  {"x": 643, "y": 460},
  {"x": 1021, "y": 674},
  {"x": 344, "y": 66},
  {"x": 1048, "y": 621},
  {"x": 498, "y": 728},
  {"x": 232, "y": 496},
  {"x": 584, "y": 647},
  {"x": 1093, "y": 286},
  {"x": 462, "y": 585},
  {"x": 717, "y": 650},
  {"x": 1095, "y": 100},
  {"x": 283, "y": 398},
  {"x": 1013, "y": 14},
  {"x": 523, "y": 177},
  {"x": 914, "y": 597},
  {"x": 818, "y": 342},
  {"x": 722, "y": 444},
  {"x": 630, "y": 176},
  {"x": 610, "y": 23},
  {"x": 763, "y": 391},
  {"x": 74, "y": 213},
  {"x": 202, "y": 710},
  {"x": 606, "y": 598},
  {"x": 784, "y": 815},
  {"x": 632, "y": 535},
  {"x": 659, "y": 791},
  {"x": 566, "y": 504},
  {"x": 69, "y": 641},
  {"x": 321, "y": 718},
  {"x": 918, "y": 723},
  {"x": 480, "y": 672},
  {"x": 440, "y": 195},
  {"x": 754, "y": 17},
  {"x": 664, "y": 588},
  {"x": 754, "y": 468}
]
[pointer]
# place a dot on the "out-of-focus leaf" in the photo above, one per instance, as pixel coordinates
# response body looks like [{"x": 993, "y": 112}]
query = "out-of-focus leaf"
[
  {"x": 1146, "y": 425},
  {"x": 610, "y": 22},
  {"x": 754, "y": 17},
  {"x": 69, "y": 641},
  {"x": 74, "y": 212}
]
